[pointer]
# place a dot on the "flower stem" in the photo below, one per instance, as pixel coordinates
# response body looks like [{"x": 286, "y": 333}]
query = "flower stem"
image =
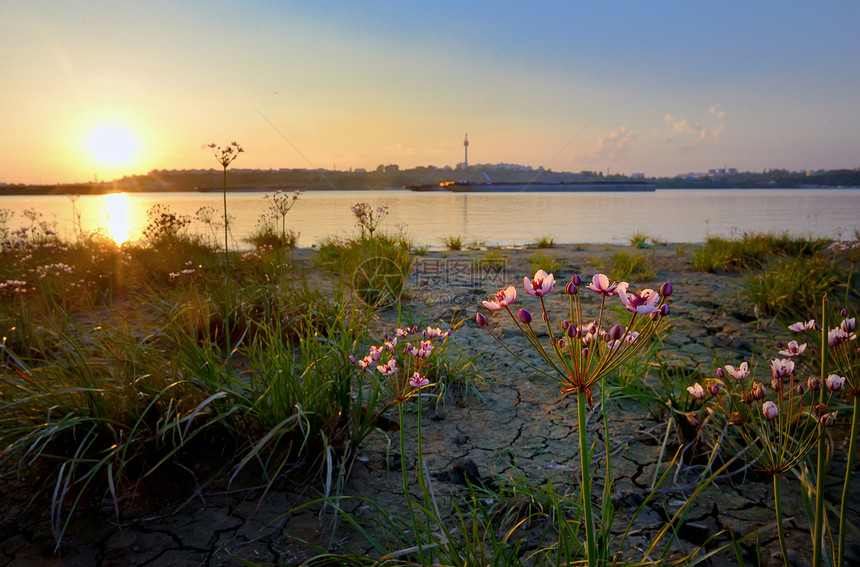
[
  {"x": 777, "y": 500},
  {"x": 415, "y": 529},
  {"x": 821, "y": 462},
  {"x": 849, "y": 467},
  {"x": 585, "y": 486},
  {"x": 227, "y": 294}
]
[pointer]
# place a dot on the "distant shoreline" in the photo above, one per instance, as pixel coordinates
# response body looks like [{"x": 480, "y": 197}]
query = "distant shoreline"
[
  {"x": 15, "y": 191},
  {"x": 387, "y": 177}
]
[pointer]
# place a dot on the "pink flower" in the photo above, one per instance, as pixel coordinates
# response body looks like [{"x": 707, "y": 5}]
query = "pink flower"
[
  {"x": 643, "y": 302},
  {"x": 739, "y": 373},
  {"x": 389, "y": 368},
  {"x": 838, "y": 335},
  {"x": 834, "y": 382},
  {"x": 417, "y": 381},
  {"x": 540, "y": 285},
  {"x": 424, "y": 351},
  {"x": 375, "y": 353},
  {"x": 781, "y": 367},
  {"x": 502, "y": 298},
  {"x": 770, "y": 410},
  {"x": 802, "y": 326},
  {"x": 600, "y": 284},
  {"x": 848, "y": 325},
  {"x": 793, "y": 349},
  {"x": 431, "y": 333},
  {"x": 696, "y": 391}
]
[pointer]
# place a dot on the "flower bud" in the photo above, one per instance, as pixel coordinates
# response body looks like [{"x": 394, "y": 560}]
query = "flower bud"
[
  {"x": 714, "y": 388},
  {"x": 565, "y": 324},
  {"x": 351, "y": 359},
  {"x": 736, "y": 419},
  {"x": 844, "y": 312},
  {"x": 616, "y": 332},
  {"x": 546, "y": 317},
  {"x": 576, "y": 280},
  {"x": 480, "y": 319},
  {"x": 571, "y": 331},
  {"x": 776, "y": 384},
  {"x": 693, "y": 419},
  {"x": 829, "y": 419},
  {"x": 778, "y": 344},
  {"x": 770, "y": 410},
  {"x": 664, "y": 310},
  {"x": 584, "y": 352},
  {"x": 759, "y": 392},
  {"x": 666, "y": 289},
  {"x": 814, "y": 383},
  {"x": 721, "y": 373},
  {"x": 801, "y": 389},
  {"x": 571, "y": 288},
  {"x": 524, "y": 316}
]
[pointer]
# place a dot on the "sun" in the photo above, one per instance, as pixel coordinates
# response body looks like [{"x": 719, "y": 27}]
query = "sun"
[{"x": 112, "y": 145}]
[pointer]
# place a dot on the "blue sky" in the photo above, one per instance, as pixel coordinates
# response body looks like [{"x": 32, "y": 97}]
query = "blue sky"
[{"x": 659, "y": 88}]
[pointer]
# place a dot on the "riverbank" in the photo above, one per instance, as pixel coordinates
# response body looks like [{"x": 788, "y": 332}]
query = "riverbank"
[{"x": 505, "y": 428}]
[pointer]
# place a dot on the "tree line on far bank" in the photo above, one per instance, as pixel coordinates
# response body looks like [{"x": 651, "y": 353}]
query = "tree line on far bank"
[{"x": 389, "y": 176}]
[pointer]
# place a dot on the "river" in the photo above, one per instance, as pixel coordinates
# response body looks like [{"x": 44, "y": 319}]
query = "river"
[{"x": 505, "y": 219}]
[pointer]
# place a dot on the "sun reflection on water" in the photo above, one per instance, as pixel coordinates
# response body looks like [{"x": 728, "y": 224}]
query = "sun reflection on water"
[{"x": 116, "y": 205}]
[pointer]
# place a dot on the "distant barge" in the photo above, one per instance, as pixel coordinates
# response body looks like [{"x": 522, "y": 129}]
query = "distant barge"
[{"x": 569, "y": 186}]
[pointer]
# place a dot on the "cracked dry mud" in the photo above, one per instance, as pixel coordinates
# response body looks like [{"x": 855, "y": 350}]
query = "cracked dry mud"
[{"x": 517, "y": 425}]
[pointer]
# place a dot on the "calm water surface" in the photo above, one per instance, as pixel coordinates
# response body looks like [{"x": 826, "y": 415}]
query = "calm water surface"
[{"x": 505, "y": 219}]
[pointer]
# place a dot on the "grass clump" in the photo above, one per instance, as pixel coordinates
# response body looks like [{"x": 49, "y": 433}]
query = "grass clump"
[
  {"x": 752, "y": 250},
  {"x": 791, "y": 288},
  {"x": 375, "y": 268},
  {"x": 545, "y": 242},
  {"x": 542, "y": 261},
  {"x": 453, "y": 243},
  {"x": 632, "y": 266}
]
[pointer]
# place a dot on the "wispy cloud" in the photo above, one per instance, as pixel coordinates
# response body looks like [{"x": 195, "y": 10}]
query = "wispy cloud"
[
  {"x": 715, "y": 110},
  {"x": 681, "y": 125},
  {"x": 614, "y": 146},
  {"x": 692, "y": 134}
]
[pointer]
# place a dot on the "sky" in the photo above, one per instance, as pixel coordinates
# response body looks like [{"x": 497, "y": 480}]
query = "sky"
[{"x": 94, "y": 90}]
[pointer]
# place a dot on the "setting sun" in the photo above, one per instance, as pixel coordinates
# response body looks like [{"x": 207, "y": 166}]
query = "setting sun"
[{"x": 112, "y": 145}]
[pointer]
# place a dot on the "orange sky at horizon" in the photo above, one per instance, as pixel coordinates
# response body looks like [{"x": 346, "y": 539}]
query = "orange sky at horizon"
[{"x": 627, "y": 88}]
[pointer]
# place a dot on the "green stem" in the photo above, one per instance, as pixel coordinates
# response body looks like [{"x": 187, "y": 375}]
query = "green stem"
[
  {"x": 227, "y": 298},
  {"x": 415, "y": 527},
  {"x": 777, "y": 500},
  {"x": 821, "y": 462},
  {"x": 849, "y": 467},
  {"x": 582, "y": 410}
]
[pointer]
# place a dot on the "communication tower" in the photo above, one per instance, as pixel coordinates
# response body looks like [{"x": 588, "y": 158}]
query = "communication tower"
[{"x": 466, "y": 151}]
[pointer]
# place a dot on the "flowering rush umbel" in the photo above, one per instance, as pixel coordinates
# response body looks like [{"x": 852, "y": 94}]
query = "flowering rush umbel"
[
  {"x": 777, "y": 419},
  {"x": 402, "y": 360},
  {"x": 579, "y": 349}
]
